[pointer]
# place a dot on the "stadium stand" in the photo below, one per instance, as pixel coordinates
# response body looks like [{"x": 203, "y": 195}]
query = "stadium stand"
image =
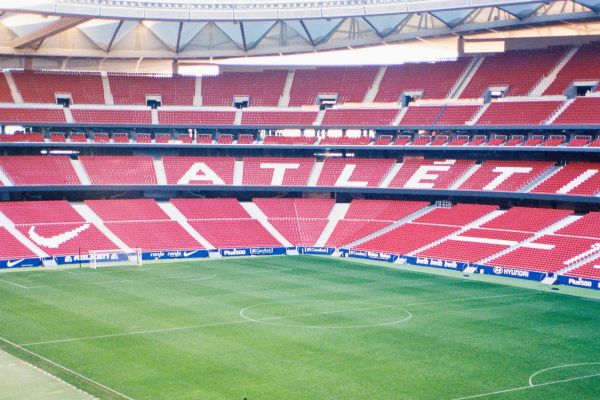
[
  {"x": 133, "y": 89},
  {"x": 364, "y": 217},
  {"x": 36, "y": 170},
  {"x": 111, "y": 117},
  {"x": 583, "y": 66},
  {"x": 359, "y": 117},
  {"x": 127, "y": 210},
  {"x": 527, "y": 219},
  {"x": 429, "y": 173},
  {"x": 119, "y": 170},
  {"x": 349, "y": 84},
  {"x": 576, "y": 178},
  {"x": 20, "y": 115},
  {"x": 549, "y": 253},
  {"x": 518, "y": 112},
  {"x": 519, "y": 71},
  {"x": 300, "y": 221},
  {"x": 354, "y": 172},
  {"x": 505, "y": 176},
  {"x": 203, "y": 209},
  {"x": 262, "y": 88},
  {"x": 289, "y": 140},
  {"x": 434, "y": 79},
  {"x": 40, "y": 212},
  {"x": 154, "y": 235},
  {"x": 44, "y": 86},
  {"x": 199, "y": 170},
  {"x": 584, "y": 110},
  {"x": 267, "y": 171},
  {"x": 11, "y": 247},
  {"x": 191, "y": 118},
  {"x": 289, "y": 118}
]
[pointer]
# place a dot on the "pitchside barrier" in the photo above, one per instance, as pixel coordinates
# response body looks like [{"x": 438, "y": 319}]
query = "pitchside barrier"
[{"x": 309, "y": 250}]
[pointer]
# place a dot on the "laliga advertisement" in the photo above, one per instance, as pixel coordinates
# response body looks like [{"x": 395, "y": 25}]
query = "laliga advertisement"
[{"x": 435, "y": 263}]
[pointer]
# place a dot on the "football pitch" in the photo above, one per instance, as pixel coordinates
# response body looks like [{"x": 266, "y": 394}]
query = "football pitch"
[{"x": 298, "y": 328}]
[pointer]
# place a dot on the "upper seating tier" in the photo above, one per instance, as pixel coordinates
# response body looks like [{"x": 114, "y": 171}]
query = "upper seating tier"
[{"x": 136, "y": 89}]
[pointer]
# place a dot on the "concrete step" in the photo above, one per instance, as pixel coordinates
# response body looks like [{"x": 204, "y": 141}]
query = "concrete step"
[
  {"x": 81, "y": 172},
  {"x": 256, "y": 213},
  {"x": 337, "y": 213},
  {"x": 91, "y": 217},
  {"x": 392, "y": 226},
  {"x": 176, "y": 215},
  {"x": 374, "y": 89},
  {"x": 159, "y": 170}
]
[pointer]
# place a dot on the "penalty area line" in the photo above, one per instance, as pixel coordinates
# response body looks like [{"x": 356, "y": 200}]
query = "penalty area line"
[{"x": 67, "y": 370}]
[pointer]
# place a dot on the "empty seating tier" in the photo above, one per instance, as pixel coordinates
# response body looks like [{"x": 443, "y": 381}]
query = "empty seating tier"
[
  {"x": 280, "y": 118},
  {"x": 154, "y": 235},
  {"x": 39, "y": 170},
  {"x": 228, "y": 233},
  {"x": 136, "y": 89},
  {"x": 20, "y": 115},
  {"x": 527, "y": 219},
  {"x": 191, "y": 118},
  {"x": 576, "y": 178},
  {"x": 359, "y": 117},
  {"x": 40, "y": 212},
  {"x": 505, "y": 176},
  {"x": 351, "y": 172},
  {"x": 549, "y": 253},
  {"x": 46, "y": 87},
  {"x": 586, "y": 226},
  {"x": 429, "y": 174},
  {"x": 210, "y": 208},
  {"x": 295, "y": 208},
  {"x": 261, "y": 88},
  {"x": 67, "y": 239},
  {"x": 518, "y": 71},
  {"x": 274, "y": 171},
  {"x": 435, "y": 80},
  {"x": 474, "y": 245},
  {"x": 583, "y": 66},
  {"x": 111, "y": 117},
  {"x": 346, "y": 84},
  {"x": 127, "y": 210},
  {"x": 119, "y": 170},
  {"x": 11, "y": 247},
  {"x": 518, "y": 112},
  {"x": 583, "y": 111},
  {"x": 199, "y": 170}
]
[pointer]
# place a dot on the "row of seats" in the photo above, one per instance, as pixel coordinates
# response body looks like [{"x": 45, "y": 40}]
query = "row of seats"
[
  {"x": 516, "y": 71},
  {"x": 582, "y": 111},
  {"x": 577, "y": 178},
  {"x": 382, "y": 140},
  {"x": 539, "y": 239}
]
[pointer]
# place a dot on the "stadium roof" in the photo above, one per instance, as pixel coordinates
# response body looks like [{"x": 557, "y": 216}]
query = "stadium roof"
[{"x": 185, "y": 29}]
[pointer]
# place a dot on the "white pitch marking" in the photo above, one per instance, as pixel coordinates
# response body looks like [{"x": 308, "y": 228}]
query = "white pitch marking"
[
  {"x": 68, "y": 370},
  {"x": 535, "y": 385},
  {"x": 14, "y": 284},
  {"x": 269, "y": 319},
  {"x": 558, "y": 367},
  {"x": 189, "y": 327}
]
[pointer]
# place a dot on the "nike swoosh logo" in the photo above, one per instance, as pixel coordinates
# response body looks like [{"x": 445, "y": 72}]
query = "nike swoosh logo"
[
  {"x": 53, "y": 242},
  {"x": 189, "y": 253},
  {"x": 12, "y": 263}
]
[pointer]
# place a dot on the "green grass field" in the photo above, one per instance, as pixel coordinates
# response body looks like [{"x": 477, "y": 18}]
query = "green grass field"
[{"x": 299, "y": 328}]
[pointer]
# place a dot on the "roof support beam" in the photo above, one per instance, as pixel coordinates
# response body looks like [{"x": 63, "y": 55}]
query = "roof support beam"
[{"x": 38, "y": 36}]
